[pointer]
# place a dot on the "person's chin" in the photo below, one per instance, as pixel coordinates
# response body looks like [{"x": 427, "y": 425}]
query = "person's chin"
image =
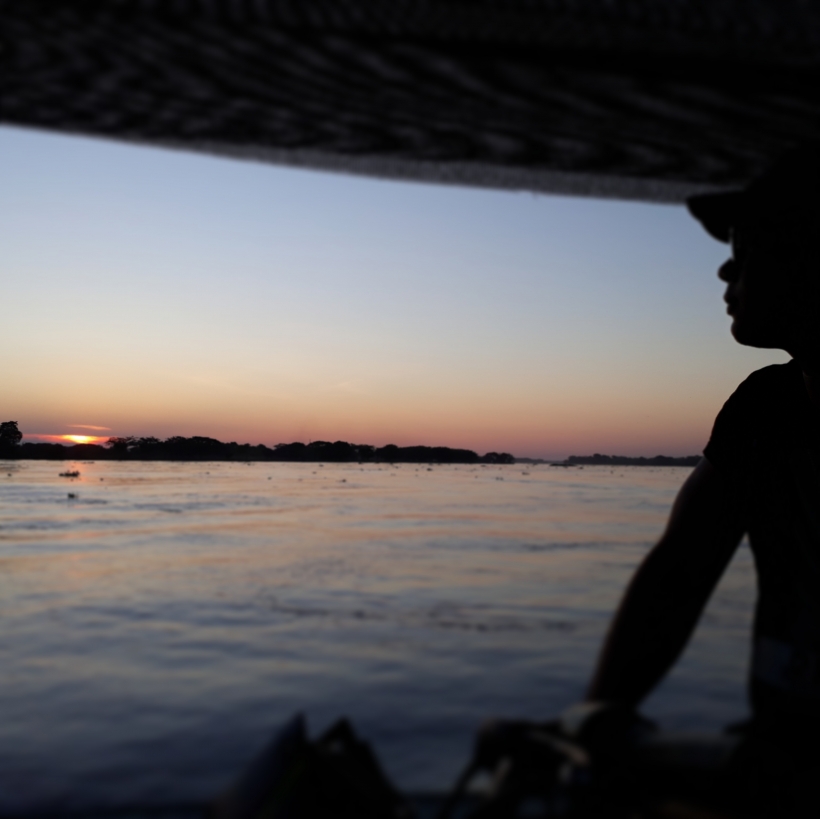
[{"x": 751, "y": 336}]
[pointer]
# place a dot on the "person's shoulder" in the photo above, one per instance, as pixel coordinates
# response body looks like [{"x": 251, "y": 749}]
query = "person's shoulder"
[
  {"x": 757, "y": 407},
  {"x": 771, "y": 376},
  {"x": 768, "y": 385}
]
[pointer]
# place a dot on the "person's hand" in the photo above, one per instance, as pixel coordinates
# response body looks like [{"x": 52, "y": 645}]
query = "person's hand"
[{"x": 602, "y": 727}]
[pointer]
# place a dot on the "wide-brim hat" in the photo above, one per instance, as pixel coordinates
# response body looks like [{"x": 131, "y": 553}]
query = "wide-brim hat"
[{"x": 788, "y": 192}]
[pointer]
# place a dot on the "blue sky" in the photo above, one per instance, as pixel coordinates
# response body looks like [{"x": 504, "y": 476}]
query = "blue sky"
[{"x": 154, "y": 292}]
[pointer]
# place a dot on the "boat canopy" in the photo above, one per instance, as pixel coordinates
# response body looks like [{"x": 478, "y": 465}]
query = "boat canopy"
[{"x": 637, "y": 99}]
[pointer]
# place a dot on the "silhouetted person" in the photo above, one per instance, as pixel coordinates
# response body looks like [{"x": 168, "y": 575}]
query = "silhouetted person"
[{"x": 760, "y": 476}]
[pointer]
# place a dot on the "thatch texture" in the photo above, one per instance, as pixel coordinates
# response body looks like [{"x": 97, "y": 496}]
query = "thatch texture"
[{"x": 628, "y": 98}]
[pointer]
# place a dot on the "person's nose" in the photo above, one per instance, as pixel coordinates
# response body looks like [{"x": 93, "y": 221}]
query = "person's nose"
[{"x": 727, "y": 272}]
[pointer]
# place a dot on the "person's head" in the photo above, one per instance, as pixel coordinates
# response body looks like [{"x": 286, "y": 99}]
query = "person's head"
[{"x": 773, "y": 276}]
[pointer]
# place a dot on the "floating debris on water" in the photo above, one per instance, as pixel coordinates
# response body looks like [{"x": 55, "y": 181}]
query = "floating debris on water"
[
  {"x": 70, "y": 474},
  {"x": 72, "y": 496}
]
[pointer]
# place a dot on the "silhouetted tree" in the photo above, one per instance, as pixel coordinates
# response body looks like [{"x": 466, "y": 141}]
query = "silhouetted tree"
[
  {"x": 120, "y": 446},
  {"x": 498, "y": 458},
  {"x": 289, "y": 452},
  {"x": 9, "y": 434}
]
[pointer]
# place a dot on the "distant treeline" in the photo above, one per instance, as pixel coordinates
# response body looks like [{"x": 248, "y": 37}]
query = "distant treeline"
[
  {"x": 200, "y": 448},
  {"x": 623, "y": 460}
]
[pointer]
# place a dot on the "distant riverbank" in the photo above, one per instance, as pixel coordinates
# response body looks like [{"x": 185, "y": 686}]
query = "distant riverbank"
[
  {"x": 200, "y": 448},
  {"x": 625, "y": 460}
]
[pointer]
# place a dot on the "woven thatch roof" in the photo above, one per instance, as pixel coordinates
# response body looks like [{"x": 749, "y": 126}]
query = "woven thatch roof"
[{"x": 643, "y": 99}]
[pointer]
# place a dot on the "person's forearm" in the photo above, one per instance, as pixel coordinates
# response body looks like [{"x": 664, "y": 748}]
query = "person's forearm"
[
  {"x": 654, "y": 622},
  {"x": 664, "y": 601}
]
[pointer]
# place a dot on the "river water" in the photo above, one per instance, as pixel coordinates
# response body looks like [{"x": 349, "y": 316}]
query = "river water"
[{"x": 159, "y": 626}]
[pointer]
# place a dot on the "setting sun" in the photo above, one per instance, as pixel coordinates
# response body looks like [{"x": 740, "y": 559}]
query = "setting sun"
[{"x": 83, "y": 439}]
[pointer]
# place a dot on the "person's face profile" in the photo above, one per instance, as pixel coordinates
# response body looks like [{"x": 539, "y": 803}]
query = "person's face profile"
[{"x": 757, "y": 295}]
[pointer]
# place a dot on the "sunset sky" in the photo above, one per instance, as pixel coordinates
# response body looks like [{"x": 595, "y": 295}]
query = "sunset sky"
[{"x": 150, "y": 292}]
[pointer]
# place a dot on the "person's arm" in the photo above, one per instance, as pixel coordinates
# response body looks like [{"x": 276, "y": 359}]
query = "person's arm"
[{"x": 669, "y": 591}]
